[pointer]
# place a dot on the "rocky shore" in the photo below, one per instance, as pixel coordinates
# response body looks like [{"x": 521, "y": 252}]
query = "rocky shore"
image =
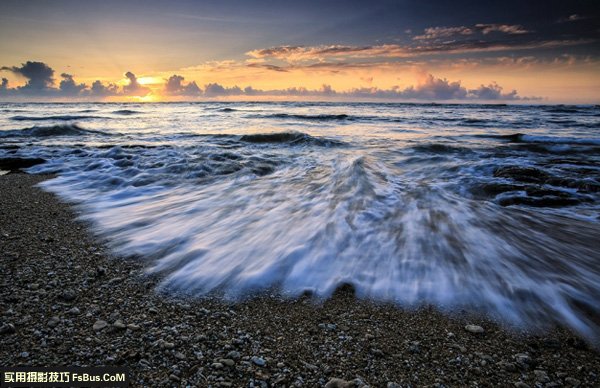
[{"x": 65, "y": 301}]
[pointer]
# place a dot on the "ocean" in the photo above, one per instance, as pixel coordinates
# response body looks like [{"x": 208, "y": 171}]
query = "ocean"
[{"x": 488, "y": 207}]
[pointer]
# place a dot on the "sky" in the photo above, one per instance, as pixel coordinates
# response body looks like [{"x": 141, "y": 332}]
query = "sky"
[{"x": 439, "y": 50}]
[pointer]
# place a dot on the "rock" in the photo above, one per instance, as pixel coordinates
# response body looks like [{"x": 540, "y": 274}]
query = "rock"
[
  {"x": 133, "y": 327},
  {"x": 54, "y": 321},
  {"x": 15, "y": 164},
  {"x": 572, "y": 382},
  {"x": 7, "y": 329},
  {"x": 258, "y": 361},
  {"x": 391, "y": 384},
  {"x": 168, "y": 345},
  {"x": 119, "y": 325},
  {"x": 179, "y": 356},
  {"x": 339, "y": 383},
  {"x": 520, "y": 384},
  {"x": 234, "y": 355},
  {"x": 522, "y": 174},
  {"x": 217, "y": 365},
  {"x": 522, "y": 359},
  {"x": 100, "y": 325},
  {"x": 68, "y": 295},
  {"x": 74, "y": 311},
  {"x": 227, "y": 361},
  {"x": 541, "y": 376},
  {"x": 24, "y": 355},
  {"x": 474, "y": 329}
]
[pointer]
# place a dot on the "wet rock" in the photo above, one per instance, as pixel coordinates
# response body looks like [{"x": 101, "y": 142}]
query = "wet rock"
[
  {"x": 474, "y": 329},
  {"x": 15, "y": 164},
  {"x": 522, "y": 174},
  {"x": 99, "y": 325}
]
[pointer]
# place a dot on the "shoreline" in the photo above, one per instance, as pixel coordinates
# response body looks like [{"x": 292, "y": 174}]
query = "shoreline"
[{"x": 67, "y": 301}]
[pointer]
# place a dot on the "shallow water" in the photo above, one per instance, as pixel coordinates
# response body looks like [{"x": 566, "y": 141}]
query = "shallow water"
[{"x": 490, "y": 207}]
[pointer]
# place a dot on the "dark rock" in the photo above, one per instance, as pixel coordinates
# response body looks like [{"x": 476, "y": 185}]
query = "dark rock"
[
  {"x": 7, "y": 329},
  {"x": 522, "y": 174},
  {"x": 15, "y": 164}
]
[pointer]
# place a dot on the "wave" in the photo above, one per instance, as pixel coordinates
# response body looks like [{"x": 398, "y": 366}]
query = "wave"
[
  {"x": 523, "y": 138},
  {"x": 49, "y": 131},
  {"x": 439, "y": 148},
  {"x": 288, "y": 137},
  {"x": 319, "y": 117},
  {"x": 55, "y": 118},
  {"x": 126, "y": 112}
]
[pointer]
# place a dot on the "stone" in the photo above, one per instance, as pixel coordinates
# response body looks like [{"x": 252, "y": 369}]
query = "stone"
[
  {"x": 54, "y": 321},
  {"x": 340, "y": 383},
  {"x": 68, "y": 295},
  {"x": 179, "y": 356},
  {"x": 7, "y": 329},
  {"x": 234, "y": 355},
  {"x": 74, "y": 311},
  {"x": 474, "y": 329},
  {"x": 541, "y": 376},
  {"x": 258, "y": 361},
  {"x": 520, "y": 384},
  {"x": 227, "y": 361},
  {"x": 100, "y": 325},
  {"x": 133, "y": 327},
  {"x": 572, "y": 382},
  {"x": 119, "y": 325}
]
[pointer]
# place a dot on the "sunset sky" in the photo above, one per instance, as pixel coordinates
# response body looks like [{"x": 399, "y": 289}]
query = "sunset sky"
[{"x": 477, "y": 51}]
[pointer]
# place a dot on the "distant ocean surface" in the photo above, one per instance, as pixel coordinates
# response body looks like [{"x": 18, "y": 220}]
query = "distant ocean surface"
[{"x": 490, "y": 207}]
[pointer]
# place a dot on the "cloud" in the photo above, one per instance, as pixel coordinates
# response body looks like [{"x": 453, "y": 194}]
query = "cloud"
[
  {"x": 98, "y": 89},
  {"x": 175, "y": 86},
  {"x": 511, "y": 29},
  {"x": 429, "y": 88},
  {"x": 69, "y": 87},
  {"x": 216, "y": 90},
  {"x": 443, "y": 32},
  {"x": 38, "y": 74},
  {"x": 4, "y": 85},
  {"x": 134, "y": 88}
]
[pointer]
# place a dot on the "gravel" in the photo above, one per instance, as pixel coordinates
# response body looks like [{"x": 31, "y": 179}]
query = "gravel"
[{"x": 65, "y": 300}]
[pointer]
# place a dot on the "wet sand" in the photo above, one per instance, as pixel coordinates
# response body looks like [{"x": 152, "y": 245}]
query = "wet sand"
[{"x": 66, "y": 301}]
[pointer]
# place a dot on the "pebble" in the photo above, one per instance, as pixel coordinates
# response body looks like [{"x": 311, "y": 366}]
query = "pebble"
[
  {"x": 340, "y": 383},
  {"x": 258, "y": 361},
  {"x": 168, "y": 345},
  {"x": 227, "y": 361},
  {"x": 572, "y": 382},
  {"x": 520, "y": 384},
  {"x": 474, "y": 329},
  {"x": 119, "y": 325},
  {"x": 179, "y": 356},
  {"x": 99, "y": 325},
  {"x": 74, "y": 311},
  {"x": 541, "y": 376},
  {"x": 7, "y": 329},
  {"x": 54, "y": 321},
  {"x": 68, "y": 295},
  {"x": 234, "y": 355}
]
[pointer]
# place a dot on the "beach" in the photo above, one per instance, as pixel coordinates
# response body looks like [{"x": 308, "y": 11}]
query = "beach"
[{"x": 68, "y": 301}]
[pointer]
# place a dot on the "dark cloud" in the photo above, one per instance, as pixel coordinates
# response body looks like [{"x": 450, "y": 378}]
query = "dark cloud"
[
  {"x": 134, "y": 88},
  {"x": 69, "y": 87},
  {"x": 216, "y": 90},
  {"x": 175, "y": 86},
  {"x": 429, "y": 89},
  {"x": 98, "y": 89},
  {"x": 38, "y": 74},
  {"x": 4, "y": 85}
]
